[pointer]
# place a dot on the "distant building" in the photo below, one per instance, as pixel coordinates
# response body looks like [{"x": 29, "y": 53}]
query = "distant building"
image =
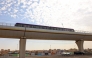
[
  {"x": 72, "y": 50},
  {"x": 3, "y": 52}
]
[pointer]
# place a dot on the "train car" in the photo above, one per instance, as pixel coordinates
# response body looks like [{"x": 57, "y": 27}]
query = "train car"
[{"x": 43, "y": 27}]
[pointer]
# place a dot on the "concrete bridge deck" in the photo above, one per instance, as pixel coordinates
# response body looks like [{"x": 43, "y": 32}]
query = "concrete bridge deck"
[{"x": 32, "y": 33}]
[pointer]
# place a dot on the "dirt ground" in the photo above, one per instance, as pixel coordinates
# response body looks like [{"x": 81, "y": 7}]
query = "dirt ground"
[
  {"x": 60, "y": 56},
  {"x": 82, "y": 56}
]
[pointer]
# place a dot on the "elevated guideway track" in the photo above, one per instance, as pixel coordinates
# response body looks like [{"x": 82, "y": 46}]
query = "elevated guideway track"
[
  {"x": 23, "y": 33},
  {"x": 33, "y": 33}
]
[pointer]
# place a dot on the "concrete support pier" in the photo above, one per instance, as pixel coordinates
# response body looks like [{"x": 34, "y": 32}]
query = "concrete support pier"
[
  {"x": 22, "y": 48},
  {"x": 80, "y": 45}
]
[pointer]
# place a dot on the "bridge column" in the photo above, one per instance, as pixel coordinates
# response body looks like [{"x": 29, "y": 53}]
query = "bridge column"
[
  {"x": 22, "y": 47},
  {"x": 80, "y": 45}
]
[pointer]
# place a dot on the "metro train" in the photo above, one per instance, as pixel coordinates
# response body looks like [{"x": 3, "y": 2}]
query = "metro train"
[{"x": 43, "y": 27}]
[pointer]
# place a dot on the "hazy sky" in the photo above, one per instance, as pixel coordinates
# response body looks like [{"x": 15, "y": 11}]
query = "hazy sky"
[{"x": 76, "y": 14}]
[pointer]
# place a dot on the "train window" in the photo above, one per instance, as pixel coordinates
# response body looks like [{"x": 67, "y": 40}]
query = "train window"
[
  {"x": 57, "y": 28},
  {"x": 61, "y": 29},
  {"x": 22, "y": 25},
  {"x": 43, "y": 27},
  {"x": 65, "y": 29},
  {"x": 30, "y": 26},
  {"x": 54, "y": 28},
  {"x": 69, "y": 29},
  {"x": 34, "y": 26},
  {"x": 49, "y": 28},
  {"x": 46, "y": 27},
  {"x": 39, "y": 27}
]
